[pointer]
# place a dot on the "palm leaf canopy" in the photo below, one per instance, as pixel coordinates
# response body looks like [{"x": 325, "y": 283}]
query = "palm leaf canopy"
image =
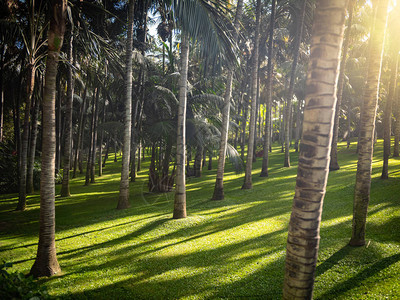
[{"x": 207, "y": 22}]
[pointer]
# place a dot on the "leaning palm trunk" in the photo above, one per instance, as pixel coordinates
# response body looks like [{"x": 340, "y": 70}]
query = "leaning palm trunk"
[
  {"x": 123, "y": 201},
  {"x": 219, "y": 182},
  {"x": 387, "y": 119},
  {"x": 180, "y": 188},
  {"x": 250, "y": 149},
  {"x": 313, "y": 169},
  {"x": 367, "y": 126},
  {"x": 334, "y": 164},
  {"x": 288, "y": 110},
  {"x": 270, "y": 68},
  {"x": 46, "y": 263},
  {"x": 65, "y": 192}
]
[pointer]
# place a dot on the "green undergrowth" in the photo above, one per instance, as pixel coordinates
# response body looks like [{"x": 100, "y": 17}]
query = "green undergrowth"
[{"x": 227, "y": 249}]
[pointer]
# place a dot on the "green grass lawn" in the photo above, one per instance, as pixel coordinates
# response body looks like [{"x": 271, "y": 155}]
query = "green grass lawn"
[{"x": 228, "y": 249}]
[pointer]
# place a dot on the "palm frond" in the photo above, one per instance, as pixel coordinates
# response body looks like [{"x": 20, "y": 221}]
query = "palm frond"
[{"x": 235, "y": 159}]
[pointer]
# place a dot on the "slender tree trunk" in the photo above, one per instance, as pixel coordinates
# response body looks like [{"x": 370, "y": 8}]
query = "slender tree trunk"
[
  {"x": 58, "y": 124},
  {"x": 387, "y": 119},
  {"x": 313, "y": 169},
  {"x": 198, "y": 161},
  {"x": 288, "y": 110},
  {"x": 367, "y": 126},
  {"x": 243, "y": 139},
  {"x": 32, "y": 148},
  {"x": 123, "y": 201},
  {"x": 65, "y": 191},
  {"x": 81, "y": 131},
  {"x": 348, "y": 126},
  {"x": 180, "y": 189},
  {"x": 91, "y": 136},
  {"x": 270, "y": 68},
  {"x": 46, "y": 263},
  {"x": 219, "y": 182},
  {"x": 101, "y": 142},
  {"x": 334, "y": 164},
  {"x": 249, "y": 162},
  {"x": 397, "y": 125},
  {"x": 25, "y": 139},
  {"x": 94, "y": 144}
]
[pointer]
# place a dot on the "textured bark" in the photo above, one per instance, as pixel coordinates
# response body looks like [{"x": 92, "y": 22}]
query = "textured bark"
[
  {"x": 396, "y": 147},
  {"x": 65, "y": 191},
  {"x": 249, "y": 161},
  {"x": 367, "y": 126},
  {"x": 270, "y": 68},
  {"x": 387, "y": 119},
  {"x": 334, "y": 164},
  {"x": 180, "y": 188},
  {"x": 288, "y": 109},
  {"x": 123, "y": 201},
  {"x": 46, "y": 263},
  {"x": 25, "y": 139},
  {"x": 313, "y": 169},
  {"x": 198, "y": 161},
  {"x": 219, "y": 182}
]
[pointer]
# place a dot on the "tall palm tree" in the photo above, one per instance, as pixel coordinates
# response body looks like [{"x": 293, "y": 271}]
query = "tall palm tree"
[
  {"x": 65, "y": 191},
  {"x": 46, "y": 263},
  {"x": 367, "y": 125},
  {"x": 288, "y": 109},
  {"x": 180, "y": 188},
  {"x": 123, "y": 201},
  {"x": 312, "y": 174},
  {"x": 334, "y": 164},
  {"x": 205, "y": 21},
  {"x": 270, "y": 67},
  {"x": 254, "y": 78},
  {"x": 219, "y": 182}
]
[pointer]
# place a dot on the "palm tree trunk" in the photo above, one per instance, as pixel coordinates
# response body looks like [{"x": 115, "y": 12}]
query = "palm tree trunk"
[
  {"x": 25, "y": 139},
  {"x": 91, "y": 136},
  {"x": 334, "y": 164},
  {"x": 396, "y": 147},
  {"x": 180, "y": 189},
  {"x": 58, "y": 123},
  {"x": 312, "y": 174},
  {"x": 270, "y": 68},
  {"x": 123, "y": 201},
  {"x": 32, "y": 146},
  {"x": 249, "y": 162},
  {"x": 387, "y": 119},
  {"x": 94, "y": 144},
  {"x": 198, "y": 161},
  {"x": 288, "y": 110},
  {"x": 367, "y": 126},
  {"x": 219, "y": 182},
  {"x": 46, "y": 263},
  {"x": 81, "y": 130},
  {"x": 65, "y": 192}
]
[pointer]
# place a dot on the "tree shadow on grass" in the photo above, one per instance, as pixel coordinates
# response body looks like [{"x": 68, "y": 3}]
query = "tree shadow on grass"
[
  {"x": 333, "y": 260},
  {"x": 357, "y": 280}
]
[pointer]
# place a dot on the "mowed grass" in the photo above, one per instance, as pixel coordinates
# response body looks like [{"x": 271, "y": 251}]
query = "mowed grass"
[{"x": 227, "y": 249}]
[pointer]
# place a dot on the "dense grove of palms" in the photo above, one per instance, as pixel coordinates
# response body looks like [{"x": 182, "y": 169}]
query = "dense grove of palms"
[{"x": 187, "y": 81}]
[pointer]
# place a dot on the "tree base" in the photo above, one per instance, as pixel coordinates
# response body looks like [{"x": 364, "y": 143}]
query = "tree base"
[
  {"x": 356, "y": 243},
  {"x": 218, "y": 194},
  {"x": 45, "y": 268},
  {"x": 247, "y": 186},
  {"x": 264, "y": 174}
]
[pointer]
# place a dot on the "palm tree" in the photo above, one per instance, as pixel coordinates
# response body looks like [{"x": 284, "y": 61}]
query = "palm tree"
[
  {"x": 367, "y": 125},
  {"x": 270, "y": 68},
  {"x": 46, "y": 263},
  {"x": 65, "y": 192},
  {"x": 207, "y": 22},
  {"x": 288, "y": 109},
  {"x": 180, "y": 188},
  {"x": 334, "y": 165},
  {"x": 123, "y": 201},
  {"x": 219, "y": 182},
  {"x": 254, "y": 78},
  {"x": 312, "y": 174}
]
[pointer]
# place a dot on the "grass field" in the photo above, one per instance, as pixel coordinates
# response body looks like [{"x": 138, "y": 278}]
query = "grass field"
[{"x": 229, "y": 249}]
